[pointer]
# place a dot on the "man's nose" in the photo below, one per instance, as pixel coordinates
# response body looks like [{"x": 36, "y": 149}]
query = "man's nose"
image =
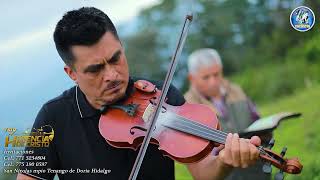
[
  {"x": 212, "y": 80},
  {"x": 110, "y": 73}
]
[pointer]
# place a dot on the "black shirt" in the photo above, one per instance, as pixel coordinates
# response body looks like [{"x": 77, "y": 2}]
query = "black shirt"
[{"x": 78, "y": 145}]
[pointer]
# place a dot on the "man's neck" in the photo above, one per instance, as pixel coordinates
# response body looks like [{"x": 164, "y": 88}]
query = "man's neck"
[
  {"x": 216, "y": 97},
  {"x": 94, "y": 104}
]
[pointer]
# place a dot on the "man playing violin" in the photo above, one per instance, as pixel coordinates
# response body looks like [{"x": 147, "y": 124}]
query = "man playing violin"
[{"x": 88, "y": 43}]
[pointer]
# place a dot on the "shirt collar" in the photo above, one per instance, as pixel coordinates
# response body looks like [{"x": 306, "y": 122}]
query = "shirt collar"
[
  {"x": 85, "y": 109},
  {"x": 83, "y": 106}
]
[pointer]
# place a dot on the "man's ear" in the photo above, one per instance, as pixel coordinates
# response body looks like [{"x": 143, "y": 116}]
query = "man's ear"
[{"x": 71, "y": 73}]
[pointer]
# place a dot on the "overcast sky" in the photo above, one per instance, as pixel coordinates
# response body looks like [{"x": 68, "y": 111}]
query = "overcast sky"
[{"x": 23, "y": 24}]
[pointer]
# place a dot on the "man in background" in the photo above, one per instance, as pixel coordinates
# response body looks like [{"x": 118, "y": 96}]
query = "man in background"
[{"x": 234, "y": 109}]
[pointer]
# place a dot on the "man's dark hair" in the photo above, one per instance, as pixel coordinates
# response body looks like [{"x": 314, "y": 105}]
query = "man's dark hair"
[{"x": 84, "y": 26}]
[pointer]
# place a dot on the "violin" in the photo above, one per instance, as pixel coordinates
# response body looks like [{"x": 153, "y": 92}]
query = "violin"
[{"x": 185, "y": 133}]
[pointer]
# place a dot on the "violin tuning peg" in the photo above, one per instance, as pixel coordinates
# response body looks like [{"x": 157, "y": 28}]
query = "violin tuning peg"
[
  {"x": 283, "y": 152},
  {"x": 279, "y": 176},
  {"x": 271, "y": 143},
  {"x": 266, "y": 168}
]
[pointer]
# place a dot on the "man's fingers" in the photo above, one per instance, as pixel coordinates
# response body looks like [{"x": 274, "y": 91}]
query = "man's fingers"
[
  {"x": 239, "y": 152},
  {"x": 254, "y": 153},
  {"x": 255, "y": 140},
  {"x": 244, "y": 153},
  {"x": 235, "y": 151},
  {"x": 222, "y": 153},
  {"x": 225, "y": 154}
]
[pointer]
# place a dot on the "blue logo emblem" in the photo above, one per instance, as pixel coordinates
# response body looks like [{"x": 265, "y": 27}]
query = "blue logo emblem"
[{"x": 302, "y": 19}]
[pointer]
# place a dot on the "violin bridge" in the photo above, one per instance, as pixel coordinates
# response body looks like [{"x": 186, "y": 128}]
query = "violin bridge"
[{"x": 148, "y": 112}]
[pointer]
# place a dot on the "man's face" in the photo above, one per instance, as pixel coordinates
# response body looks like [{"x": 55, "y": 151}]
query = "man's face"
[
  {"x": 207, "y": 80},
  {"x": 101, "y": 70}
]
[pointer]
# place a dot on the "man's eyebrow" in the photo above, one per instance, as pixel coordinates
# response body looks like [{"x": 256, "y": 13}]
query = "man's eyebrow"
[
  {"x": 93, "y": 67},
  {"x": 115, "y": 55}
]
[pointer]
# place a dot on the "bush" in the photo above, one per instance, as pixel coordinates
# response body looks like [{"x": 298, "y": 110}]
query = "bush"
[
  {"x": 300, "y": 69},
  {"x": 311, "y": 171}
]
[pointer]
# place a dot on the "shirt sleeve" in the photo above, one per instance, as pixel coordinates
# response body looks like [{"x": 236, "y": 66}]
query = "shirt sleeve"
[
  {"x": 38, "y": 160},
  {"x": 175, "y": 97}
]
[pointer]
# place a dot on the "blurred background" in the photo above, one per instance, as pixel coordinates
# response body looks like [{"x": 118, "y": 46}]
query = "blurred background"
[{"x": 277, "y": 66}]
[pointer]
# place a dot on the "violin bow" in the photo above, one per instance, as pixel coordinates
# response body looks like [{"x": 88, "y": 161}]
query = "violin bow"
[{"x": 165, "y": 88}]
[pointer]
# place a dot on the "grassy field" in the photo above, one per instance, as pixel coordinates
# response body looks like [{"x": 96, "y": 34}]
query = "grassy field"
[{"x": 299, "y": 135}]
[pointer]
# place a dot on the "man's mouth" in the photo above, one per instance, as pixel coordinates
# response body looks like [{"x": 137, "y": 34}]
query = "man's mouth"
[{"x": 112, "y": 86}]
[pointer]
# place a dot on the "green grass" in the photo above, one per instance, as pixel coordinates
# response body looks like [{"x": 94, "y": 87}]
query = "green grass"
[{"x": 299, "y": 135}]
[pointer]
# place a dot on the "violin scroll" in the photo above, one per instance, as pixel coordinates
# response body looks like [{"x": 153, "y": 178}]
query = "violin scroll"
[{"x": 291, "y": 166}]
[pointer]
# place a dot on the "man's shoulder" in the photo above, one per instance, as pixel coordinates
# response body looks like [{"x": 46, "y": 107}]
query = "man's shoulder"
[
  {"x": 233, "y": 90},
  {"x": 63, "y": 98},
  {"x": 232, "y": 86},
  {"x": 191, "y": 96},
  {"x": 53, "y": 110}
]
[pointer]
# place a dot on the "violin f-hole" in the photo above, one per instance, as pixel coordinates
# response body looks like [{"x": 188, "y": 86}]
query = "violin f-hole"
[{"x": 139, "y": 128}]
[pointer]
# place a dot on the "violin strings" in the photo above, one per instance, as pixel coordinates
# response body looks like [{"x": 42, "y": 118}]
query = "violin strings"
[
  {"x": 221, "y": 138},
  {"x": 190, "y": 130},
  {"x": 186, "y": 129},
  {"x": 212, "y": 134},
  {"x": 198, "y": 125},
  {"x": 185, "y": 120},
  {"x": 185, "y": 125},
  {"x": 208, "y": 135},
  {"x": 262, "y": 151},
  {"x": 194, "y": 128}
]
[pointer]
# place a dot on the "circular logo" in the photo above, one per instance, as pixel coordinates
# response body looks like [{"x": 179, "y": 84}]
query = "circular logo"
[{"x": 302, "y": 19}]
